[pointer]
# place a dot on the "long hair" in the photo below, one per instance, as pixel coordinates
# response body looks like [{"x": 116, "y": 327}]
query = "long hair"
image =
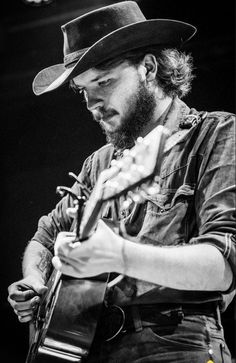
[{"x": 174, "y": 68}]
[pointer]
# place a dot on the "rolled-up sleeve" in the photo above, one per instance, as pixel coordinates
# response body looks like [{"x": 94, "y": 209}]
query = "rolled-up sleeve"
[{"x": 216, "y": 192}]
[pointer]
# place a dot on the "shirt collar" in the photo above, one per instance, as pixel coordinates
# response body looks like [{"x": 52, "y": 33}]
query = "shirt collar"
[{"x": 175, "y": 114}]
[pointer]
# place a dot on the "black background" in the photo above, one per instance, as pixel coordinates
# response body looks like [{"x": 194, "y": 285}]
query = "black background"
[{"x": 43, "y": 138}]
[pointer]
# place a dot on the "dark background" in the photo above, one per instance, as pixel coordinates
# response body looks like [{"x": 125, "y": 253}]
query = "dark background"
[{"x": 43, "y": 138}]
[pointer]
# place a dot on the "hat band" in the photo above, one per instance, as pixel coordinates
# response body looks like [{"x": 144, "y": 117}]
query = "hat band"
[{"x": 73, "y": 57}]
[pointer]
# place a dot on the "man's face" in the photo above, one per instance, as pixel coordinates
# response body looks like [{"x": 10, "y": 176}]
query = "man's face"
[{"x": 119, "y": 100}]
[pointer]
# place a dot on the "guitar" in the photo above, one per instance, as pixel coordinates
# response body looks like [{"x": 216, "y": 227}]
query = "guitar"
[{"x": 66, "y": 320}]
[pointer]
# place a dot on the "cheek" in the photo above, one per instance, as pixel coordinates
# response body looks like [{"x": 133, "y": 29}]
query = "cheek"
[{"x": 121, "y": 98}]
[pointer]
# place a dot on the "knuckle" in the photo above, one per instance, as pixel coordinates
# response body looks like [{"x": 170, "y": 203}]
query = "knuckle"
[
  {"x": 16, "y": 312},
  {"x": 21, "y": 313},
  {"x": 10, "y": 288},
  {"x": 22, "y": 319},
  {"x": 14, "y": 304}
]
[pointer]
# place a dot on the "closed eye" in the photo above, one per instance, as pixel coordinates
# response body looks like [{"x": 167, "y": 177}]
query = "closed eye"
[{"x": 105, "y": 82}]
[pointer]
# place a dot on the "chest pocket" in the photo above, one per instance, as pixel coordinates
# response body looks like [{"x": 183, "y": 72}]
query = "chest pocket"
[{"x": 169, "y": 217}]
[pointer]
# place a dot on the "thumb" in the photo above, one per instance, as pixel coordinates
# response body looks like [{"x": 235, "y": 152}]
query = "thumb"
[
  {"x": 39, "y": 288},
  {"x": 56, "y": 263},
  {"x": 42, "y": 289}
]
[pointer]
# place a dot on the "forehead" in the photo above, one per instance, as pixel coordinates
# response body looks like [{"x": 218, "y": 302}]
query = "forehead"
[{"x": 92, "y": 75}]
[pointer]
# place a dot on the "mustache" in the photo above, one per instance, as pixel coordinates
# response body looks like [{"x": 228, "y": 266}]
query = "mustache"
[{"x": 102, "y": 114}]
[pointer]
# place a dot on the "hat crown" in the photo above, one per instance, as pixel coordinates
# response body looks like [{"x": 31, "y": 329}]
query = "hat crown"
[{"x": 84, "y": 31}]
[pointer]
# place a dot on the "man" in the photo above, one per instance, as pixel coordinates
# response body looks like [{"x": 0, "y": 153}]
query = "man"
[{"x": 176, "y": 258}]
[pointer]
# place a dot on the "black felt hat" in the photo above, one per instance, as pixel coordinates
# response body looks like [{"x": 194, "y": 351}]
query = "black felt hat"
[{"x": 105, "y": 33}]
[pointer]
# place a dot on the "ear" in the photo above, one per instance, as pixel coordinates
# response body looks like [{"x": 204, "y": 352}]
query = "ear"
[{"x": 149, "y": 67}]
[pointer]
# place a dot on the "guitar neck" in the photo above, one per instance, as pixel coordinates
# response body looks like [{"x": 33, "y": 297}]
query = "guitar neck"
[{"x": 89, "y": 220}]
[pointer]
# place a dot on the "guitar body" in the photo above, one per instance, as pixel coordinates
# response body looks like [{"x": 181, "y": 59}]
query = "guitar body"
[{"x": 66, "y": 321}]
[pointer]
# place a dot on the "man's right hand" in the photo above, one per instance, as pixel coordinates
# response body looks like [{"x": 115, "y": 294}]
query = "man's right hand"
[{"x": 24, "y": 296}]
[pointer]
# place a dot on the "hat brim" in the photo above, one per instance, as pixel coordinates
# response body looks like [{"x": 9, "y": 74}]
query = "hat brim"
[{"x": 164, "y": 33}]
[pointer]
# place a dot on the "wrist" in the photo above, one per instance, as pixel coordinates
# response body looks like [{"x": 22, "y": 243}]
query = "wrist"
[{"x": 35, "y": 274}]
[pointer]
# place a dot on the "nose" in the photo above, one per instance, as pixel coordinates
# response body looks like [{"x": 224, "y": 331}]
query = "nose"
[{"x": 93, "y": 101}]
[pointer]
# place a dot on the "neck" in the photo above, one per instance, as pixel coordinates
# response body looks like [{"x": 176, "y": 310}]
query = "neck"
[{"x": 159, "y": 114}]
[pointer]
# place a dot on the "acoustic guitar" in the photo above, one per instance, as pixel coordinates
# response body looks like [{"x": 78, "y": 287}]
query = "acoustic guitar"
[{"x": 67, "y": 317}]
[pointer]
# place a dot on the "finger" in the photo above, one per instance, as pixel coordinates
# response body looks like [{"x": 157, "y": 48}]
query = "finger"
[
  {"x": 22, "y": 291},
  {"x": 62, "y": 243},
  {"x": 21, "y": 306},
  {"x": 32, "y": 304},
  {"x": 65, "y": 240},
  {"x": 25, "y": 319},
  {"x": 37, "y": 287},
  {"x": 75, "y": 244},
  {"x": 63, "y": 236},
  {"x": 66, "y": 234},
  {"x": 68, "y": 266},
  {"x": 17, "y": 289},
  {"x": 28, "y": 294},
  {"x": 21, "y": 295},
  {"x": 24, "y": 312},
  {"x": 56, "y": 263}
]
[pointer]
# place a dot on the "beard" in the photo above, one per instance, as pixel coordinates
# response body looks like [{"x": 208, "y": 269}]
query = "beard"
[{"x": 141, "y": 111}]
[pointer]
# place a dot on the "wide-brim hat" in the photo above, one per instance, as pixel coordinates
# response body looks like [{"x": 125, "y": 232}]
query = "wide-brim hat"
[{"x": 105, "y": 33}]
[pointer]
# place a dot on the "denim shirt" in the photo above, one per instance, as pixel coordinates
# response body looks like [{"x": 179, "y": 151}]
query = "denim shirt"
[{"x": 196, "y": 202}]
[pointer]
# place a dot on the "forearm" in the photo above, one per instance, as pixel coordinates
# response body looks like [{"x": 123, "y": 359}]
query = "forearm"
[
  {"x": 37, "y": 261},
  {"x": 196, "y": 267}
]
